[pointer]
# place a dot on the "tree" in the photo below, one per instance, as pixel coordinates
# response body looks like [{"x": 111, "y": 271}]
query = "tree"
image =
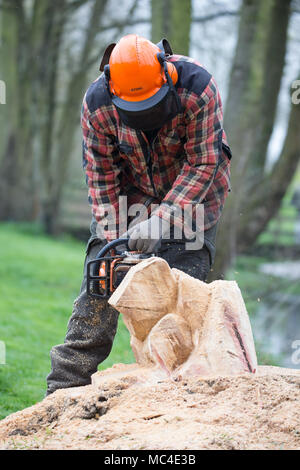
[
  {"x": 249, "y": 119},
  {"x": 42, "y": 113},
  {"x": 172, "y": 19},
  {"x": 55, "y": 174},
  {"x": 18, "y": 65}
]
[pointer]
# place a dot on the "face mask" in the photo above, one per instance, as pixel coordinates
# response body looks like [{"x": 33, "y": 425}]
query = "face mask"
[
  {"x": 158, "y": 110},
  {"x": 156, "y": 116}
]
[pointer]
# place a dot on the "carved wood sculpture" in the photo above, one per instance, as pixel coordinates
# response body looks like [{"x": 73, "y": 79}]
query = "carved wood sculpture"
[{"x": 183, "y": 326}]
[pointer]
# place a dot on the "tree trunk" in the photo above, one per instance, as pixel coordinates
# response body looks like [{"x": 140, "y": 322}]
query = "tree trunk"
[
  {"x": 17, "y": 185},
  {"x": 276, "y": 47},
  {"x": 172, "y": 19},
  {"x": 250, "y": 114},
  {"x": 70, "y": 117},
  {"x": 274, "y": 185},
  {"x": 49, "y": 71},
  {"x": 37, "y": 135}
]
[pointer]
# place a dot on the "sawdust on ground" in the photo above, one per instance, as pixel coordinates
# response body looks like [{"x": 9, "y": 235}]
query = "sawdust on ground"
[{"x": 246, "y": 412}]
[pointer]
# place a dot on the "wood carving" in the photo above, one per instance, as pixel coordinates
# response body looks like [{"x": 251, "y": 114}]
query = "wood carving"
[{"x": 184, "y": 327}]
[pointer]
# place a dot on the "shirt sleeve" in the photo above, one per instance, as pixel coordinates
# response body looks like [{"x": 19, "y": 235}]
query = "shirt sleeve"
[
  {"x": 101, "y": 162},
  {"x": 203, "y": 146}
]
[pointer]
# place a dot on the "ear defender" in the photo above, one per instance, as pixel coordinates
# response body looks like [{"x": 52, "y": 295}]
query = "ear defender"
[
  {"x": 106, "y": 56},
  {"x": 169, "y": 68},
  {"x": 172, "y": 72}
]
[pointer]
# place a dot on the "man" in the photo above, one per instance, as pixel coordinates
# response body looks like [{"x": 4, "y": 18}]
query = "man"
[{"x": 152, "y": 131}]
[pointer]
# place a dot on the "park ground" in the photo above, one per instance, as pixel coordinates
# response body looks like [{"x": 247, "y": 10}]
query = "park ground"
[{"x": 39, "y": 279}]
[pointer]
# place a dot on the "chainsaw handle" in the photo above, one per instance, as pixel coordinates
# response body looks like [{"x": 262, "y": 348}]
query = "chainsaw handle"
[
  {"x": 113, "y": 244},
  {"x": 94, "y": 266}
]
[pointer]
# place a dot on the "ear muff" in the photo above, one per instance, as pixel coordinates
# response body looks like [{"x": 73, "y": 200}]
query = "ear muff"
[
  {"x": 165, "y": 46},
  {"x": 106, "y": 56},
  {"x": 172, "y": 71},
  {"x": 169, "y": 68}
]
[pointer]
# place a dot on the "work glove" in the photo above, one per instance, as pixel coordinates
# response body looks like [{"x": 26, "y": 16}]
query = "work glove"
[{"x": 146, "y": 236}]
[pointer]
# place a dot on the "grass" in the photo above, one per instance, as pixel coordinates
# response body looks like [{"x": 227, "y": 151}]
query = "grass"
[
  {"x": 281, "y": 229},
  {"x": 39, "y": 280}
]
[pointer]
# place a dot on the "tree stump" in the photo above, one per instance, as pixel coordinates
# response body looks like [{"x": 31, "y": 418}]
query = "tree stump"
[{"x": 183, "y": 327}]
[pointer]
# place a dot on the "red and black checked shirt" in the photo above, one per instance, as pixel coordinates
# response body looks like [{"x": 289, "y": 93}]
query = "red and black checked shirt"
[{"x": 190, "y": 158}]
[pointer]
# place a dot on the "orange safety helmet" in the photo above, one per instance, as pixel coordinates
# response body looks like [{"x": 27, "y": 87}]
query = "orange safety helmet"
[
  {"x": 136, "y": 73},
  {"x": 139, "y": 78}
]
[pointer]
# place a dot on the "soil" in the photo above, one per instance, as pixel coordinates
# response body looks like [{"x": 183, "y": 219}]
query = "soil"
[{"x": 251, "y": 411}]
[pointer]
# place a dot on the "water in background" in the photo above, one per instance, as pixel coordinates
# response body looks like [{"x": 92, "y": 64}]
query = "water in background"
[{"x": 276, "y": 323}]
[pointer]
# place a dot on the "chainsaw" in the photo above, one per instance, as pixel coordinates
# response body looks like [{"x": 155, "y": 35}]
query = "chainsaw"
[{"x": 110, "y": 266}]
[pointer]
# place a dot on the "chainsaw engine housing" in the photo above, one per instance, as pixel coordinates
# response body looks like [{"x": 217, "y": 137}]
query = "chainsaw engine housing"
[{"x": 104, "y": 274}]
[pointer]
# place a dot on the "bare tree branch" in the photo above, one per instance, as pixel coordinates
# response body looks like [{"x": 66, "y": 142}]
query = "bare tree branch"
[
  {"x": 120, "y": 27},
  {"x": 124, "y": 23},
  {"x": 135, "y": 21},
  {"x": 75, "y": 4},
  {"x": 213, "y": 16}
]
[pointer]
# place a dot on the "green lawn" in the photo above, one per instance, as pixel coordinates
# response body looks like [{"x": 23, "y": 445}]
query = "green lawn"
[
  {"x": 281, "y": 229},
  {"x": 39, "y": 279}
]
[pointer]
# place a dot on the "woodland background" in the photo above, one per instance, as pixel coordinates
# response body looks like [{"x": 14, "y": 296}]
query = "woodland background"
[{"x": 50, "y": 51}]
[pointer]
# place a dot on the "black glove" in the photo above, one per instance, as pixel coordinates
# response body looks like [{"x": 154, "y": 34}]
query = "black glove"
[{"x": 146, "y": 236}]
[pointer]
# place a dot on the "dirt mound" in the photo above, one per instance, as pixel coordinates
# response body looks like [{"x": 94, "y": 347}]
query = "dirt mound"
[{"x": 245, "y": 412}]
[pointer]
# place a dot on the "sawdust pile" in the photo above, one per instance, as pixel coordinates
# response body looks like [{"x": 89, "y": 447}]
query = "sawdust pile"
[{"x": 245, "y": 412}]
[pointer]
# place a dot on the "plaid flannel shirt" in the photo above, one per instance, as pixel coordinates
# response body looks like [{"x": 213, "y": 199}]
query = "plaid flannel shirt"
[{"x": 187, "y": 163}]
